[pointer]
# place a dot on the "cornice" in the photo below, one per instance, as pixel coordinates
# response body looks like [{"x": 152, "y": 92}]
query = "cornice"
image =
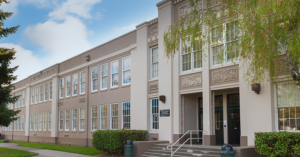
[
  {"x": 153, "y": 21},
  {"x": 161, "y": 3},
  {"x": 177, "y": 1},
  {"x": 144, "y": 24}
]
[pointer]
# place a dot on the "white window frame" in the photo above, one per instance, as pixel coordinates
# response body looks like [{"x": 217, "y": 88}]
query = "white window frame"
[
  {"x": 151, "y": 62},
  {"x": 41, "y": 93},
  {"x": 60, "y": 117},
  {"x": 23, "y": 99},
  {"x": 19, "y": 100},
  {"x": 22, "y": 123},
  {"x": 74, "y": 84},
  {"x": 46, "y": 92},
  {"x": 18, "y": 123},
  {"x": 81, "y": 82},
  {"x": 49, "y": 120},
  {"x": 40, "y": 123},
  {"x": 35, "y": 121},
  {"x": 96, "y": 79},
  {"x": 50, "y": 91},
  {"x": 36, "y": 94},
  {"x": 113, "y": 116},
  {"x": 192, "y": 58},
  {"x": 61, "y": 87},
  {"x": 128, "y": 114},
  {"x": 94, "y": 118},
  {"x": 44, "y": 121},
  {"x": 31, "y": 122},
  {"x": 67, "y": 119},
  {"x": 123, "y": 71},
  {"x": 68, "y": 87},
  {"x": 151, "y": 120},
  {"x": 111, "y": 74},
  {"x": 103, "y": 76},
  {"x": 81, "y": 118},
  {"x": 104, "y": 117},
  {"x": 74, "y": 125}
]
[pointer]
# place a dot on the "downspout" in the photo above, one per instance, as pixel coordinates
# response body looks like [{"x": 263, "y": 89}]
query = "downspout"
[{"x": 87, "y": 99}]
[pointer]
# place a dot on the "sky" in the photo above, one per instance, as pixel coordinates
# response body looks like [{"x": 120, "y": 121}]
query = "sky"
[{"x": 52, "y": 31}]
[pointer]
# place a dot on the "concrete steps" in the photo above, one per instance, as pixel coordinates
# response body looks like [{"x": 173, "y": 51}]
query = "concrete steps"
[{"x": 160, "y": 150}]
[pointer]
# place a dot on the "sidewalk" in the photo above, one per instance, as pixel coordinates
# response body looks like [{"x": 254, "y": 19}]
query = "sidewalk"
[{"x": 42, "y": 152}]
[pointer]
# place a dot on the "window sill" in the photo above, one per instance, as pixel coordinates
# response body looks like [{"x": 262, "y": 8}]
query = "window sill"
[
  {"x": 103, "y": 90},
  {"x": 67, "y": 97},
  {"x": 74, "y": 131},
  {"x": 60, "y": 98},
  {"x": 154, "y": 131},
  {"x": 153, "y": 79},
  {"x": 74, "y": 96},
  {"x": 81, "y": 131},
  {"x": 113, "y": 88},
  {"x": 93, "y": 92},
  {"x": 190, "y": 72},
  {"x": 126, "y": 85},
  {"x": 223, "y": 65},
  {"x": 81, "y": 94}
]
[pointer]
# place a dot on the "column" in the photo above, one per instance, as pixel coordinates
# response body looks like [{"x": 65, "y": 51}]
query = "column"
[
  {"x": 54, "y": 112},
  {"x": 165, "y": 19},
  {"x": 27, "y": 105}
]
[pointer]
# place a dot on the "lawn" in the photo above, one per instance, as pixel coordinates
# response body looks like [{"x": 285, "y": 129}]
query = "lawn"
[
  {"x": 62, "y": 148},
  {"x": 6, "y": 152}
]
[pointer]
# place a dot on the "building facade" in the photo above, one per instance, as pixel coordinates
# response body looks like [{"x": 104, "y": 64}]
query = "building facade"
[{"x": 129, "y": 83}]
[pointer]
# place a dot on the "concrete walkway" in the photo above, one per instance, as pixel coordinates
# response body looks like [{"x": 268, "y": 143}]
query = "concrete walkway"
[{"x": 42, "y": 152}]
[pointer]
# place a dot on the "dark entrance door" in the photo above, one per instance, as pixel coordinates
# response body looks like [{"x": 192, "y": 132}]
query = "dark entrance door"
[
  {"x": 233, "y": 112},
  {"x": 200, "y": 117},
  {"x": 219, "y": 131}
]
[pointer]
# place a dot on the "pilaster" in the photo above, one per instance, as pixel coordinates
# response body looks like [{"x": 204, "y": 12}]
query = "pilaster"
[
  {"x": 54, "y": 112},
  {"x": 27, "y": 105}
]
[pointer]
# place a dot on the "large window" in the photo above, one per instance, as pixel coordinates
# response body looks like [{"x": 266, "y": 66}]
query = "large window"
[
  {"x": 288, "y": 106},
  {"x": 45, "y": 92},
  {"x": 40, "y": 121},
  {"x": 74, "y": 119},
  {"x": 126, "y": 68},
  {"x": 45, "y": 121},
  {"x": 103, "y": 76},
  {"x": 82, "y": 82},
  {"x": 50, "y": 91},
  {"x": 49, "y": 120},
  {"x": 74, "y": 84},
  {"x": 94, "y": 78},
  {"x": 103, "y": 117},
  {"x": 81, "y": 118},
  {"x": 22, "y": 123},
  {"x": 36, "y": 94},
  {"x": 19, "y": 100},
  {"x": 31, "y": 122},
  {"x": 41, "y": 93},
  {"x": 223, "y": 45},
  {"x": 154, "y": 114},
  {"x": 35, "y": 121},
  {"x": 23, "y": 98},
  {"x": 67, "y": 120},
  {"x": 18, "y": 123},
  {"x": 191, "y": 56},
  {"x": 61, "y": 88},
  {"x": 154, "y": 62},
  {"x": 68, "y": 86},
  {"x": 114, "y": 73},
  {"x": 114, "y": 116},
  {"x": 61, "y": 119},
  {"x": 126, "y": 115},
  {"x": 94, "y": 117}
]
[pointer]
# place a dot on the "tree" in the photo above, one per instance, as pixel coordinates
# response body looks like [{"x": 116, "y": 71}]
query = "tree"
[
  {"x": 263, "y": 34},
  {"x": 6, "y": 73}
]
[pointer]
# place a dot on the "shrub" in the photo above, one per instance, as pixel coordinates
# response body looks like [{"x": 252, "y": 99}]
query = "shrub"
[
  {"x": 112, "y": 141},
  {"x": 277, "y": 144}
]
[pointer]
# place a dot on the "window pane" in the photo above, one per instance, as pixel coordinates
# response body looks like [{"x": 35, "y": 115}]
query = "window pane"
[{"x": 217, "y": 54}]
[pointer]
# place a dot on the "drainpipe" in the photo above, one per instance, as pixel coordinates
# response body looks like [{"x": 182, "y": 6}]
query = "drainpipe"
[{"x": 87, "y": 58}]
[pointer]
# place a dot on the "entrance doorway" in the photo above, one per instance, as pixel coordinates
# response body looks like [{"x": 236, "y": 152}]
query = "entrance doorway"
[
  {"x": 233, "y": 112},
  {"x": 200, "y": 117},
  {"x": 219, "y": 130}
]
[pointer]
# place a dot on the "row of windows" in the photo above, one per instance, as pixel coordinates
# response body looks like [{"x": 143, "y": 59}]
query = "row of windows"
[
  {"x": 74, "y": 85},
  {"x": 18, "y": 124},
  {"x": 71, "y": 121},
  {"x": 39, "y": 121},
  {"x": 41, "y": 93}
]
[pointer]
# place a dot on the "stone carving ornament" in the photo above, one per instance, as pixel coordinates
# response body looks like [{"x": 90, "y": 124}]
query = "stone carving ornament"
[
  {"x": 225, "y": 75},
  {"x": 188, "y": 81},
  {"x": 187, "y": 8}
]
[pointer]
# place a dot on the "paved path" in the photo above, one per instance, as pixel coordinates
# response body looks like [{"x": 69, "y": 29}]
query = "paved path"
[{"x": 42, "y": 152}]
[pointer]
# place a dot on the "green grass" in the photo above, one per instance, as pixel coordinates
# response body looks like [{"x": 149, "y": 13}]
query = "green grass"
[
  {"x": 62, "y": 148},
  {"x": 6, "y": 152}
]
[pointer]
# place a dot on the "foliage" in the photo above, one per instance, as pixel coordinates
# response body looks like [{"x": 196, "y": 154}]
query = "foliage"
[
  {"x": 6, "y": 73},
  {"x": 277, "y": 144},
  {"x": 112, "y": 141},
  {"x": 267, "y": 35},
  {"x": 6, "y": 152}
]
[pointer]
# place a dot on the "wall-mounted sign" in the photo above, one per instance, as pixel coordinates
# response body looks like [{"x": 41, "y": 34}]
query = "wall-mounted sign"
[{"x": 165, "y": 113}]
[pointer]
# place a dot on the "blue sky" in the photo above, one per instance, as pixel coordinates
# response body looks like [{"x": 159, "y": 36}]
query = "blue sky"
[{"x": 54, "y": 30}]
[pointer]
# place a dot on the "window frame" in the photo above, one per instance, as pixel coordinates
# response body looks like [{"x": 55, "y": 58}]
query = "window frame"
[
  {"x": 49, "y": 120},
  {"x": 92, "y": 79},
  {"x": 151, "y": 120},
  {"x": 93, "y": 118},
  {"x": 23, "y": 99},
  {"x": 74, "y": 84},
  {"x": 31, "y": 122},
  {"x": 50, "y": 91},
  {"x": 44, "y": 121},
  {"x": 101, "y": 76},
  {"x": 100, "y": 109},
  {"x": 40, "y": 121},
  {"x": 80, "y": 82},
  {"x": 61, "y": 88},
  {"x": 81, "y": 118},
  {"x": 124, "y": 103},
  {"x": 123, "y": 71},
  {"x": 111, "y": 116},
  {"x": 67, "y": 119},
  {"x": 46, "y": 92},
  {"x": 22, "y": 123},
  {"x": 74, "y": 119},
  {"x": 60, "y": 120},
  {"x": 151, "y": 62},
  {"x": 111, "y": 74},
  {"x": 68, "y": 79},
  {"x": 35, "y": 122},
  {"x": 41, "y": 93}
]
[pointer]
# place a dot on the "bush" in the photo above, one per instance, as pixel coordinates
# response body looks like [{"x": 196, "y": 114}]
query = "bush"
[
  {"x": 112, "y": 141},
  {"x": 277, "y": 144}
]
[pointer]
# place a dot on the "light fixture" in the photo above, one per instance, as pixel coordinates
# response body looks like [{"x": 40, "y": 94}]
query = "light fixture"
[
  {"x": 162, "y": 98},
  {"x": 256, "y": 87}
]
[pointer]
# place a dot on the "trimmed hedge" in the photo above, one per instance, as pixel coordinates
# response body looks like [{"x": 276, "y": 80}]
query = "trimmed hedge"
[
  {"x": 112, "y": 141},
  {"x": 277, "y": 144}
]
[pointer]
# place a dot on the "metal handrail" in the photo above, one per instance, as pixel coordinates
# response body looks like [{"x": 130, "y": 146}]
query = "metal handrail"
[{"x": 191, "y": 143}]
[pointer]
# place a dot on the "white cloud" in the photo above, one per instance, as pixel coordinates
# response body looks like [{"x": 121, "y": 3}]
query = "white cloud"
[
  {"x": 10, "y": 7},
  {"x": 27, "y": 62},
  {"x": 126, "y": 28}
]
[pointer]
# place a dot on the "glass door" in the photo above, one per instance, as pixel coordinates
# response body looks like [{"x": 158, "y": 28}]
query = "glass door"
[
  {"x": 219, "y": 130},
  {"x": 200, "y": 118},
  {"x": 233, "y": 112}
]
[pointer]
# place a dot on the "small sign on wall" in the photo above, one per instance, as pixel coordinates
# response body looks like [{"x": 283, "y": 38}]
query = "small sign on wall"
[{"x": 165, "y": 113}]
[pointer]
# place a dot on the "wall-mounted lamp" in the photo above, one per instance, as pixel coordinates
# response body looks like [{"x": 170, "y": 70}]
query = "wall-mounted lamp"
[
  {"x": 256, "y": 87},
  {"x": 162, "y": 98},
  {"x": 87, "y": 58}
]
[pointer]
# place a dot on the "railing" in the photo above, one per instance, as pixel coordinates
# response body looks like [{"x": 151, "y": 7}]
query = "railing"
[{"x": 191, "y": 142}]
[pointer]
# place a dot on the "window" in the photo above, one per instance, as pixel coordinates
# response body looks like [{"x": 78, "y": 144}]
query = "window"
[
  {"x": 45, "y": 121},
  {"x": 74, "y": 84},
  {"x": 61, "y": 88},
  {"x": 103, "y": 76},
  {"x": 12, "y": 106},
  {"x": 154, "y": 62},
  {"x": 19, "y": 100},
  {"x": 103, "y": 117},
  {"x": 224, "y": 40},
  {"x": 126, "y": 70},
  {"x": 68, "y": 88},
  {"x": 191, "y": 56},
  {"x": 15, "y": 123},
  {"x": 288, "y": 106},
  {"x": 74, "y": 119},
  {"x": 67, "y": 120},
  {"x": 49, "y": 120},
  {"x": 154, "y": 114},
  {"x": 40, "y": 121},
  {"x": 114, "y": 73},
  {"x": 126, "y": 115},
  {"x": 11, "y": 125},
  {"x": 61, "y": 119},
  {"x": 114, "y": 116},
  {"x": 45, "y": 92},
  {"x": 22, "y": 122},
  {"x": 94, "y": 118},
  {"x": 35, "y": 122},
  {"x": 50, "y": 90},
  {"x": 23, "y": 98},
  {"x": 81, "y": 118},
  {"x": 82, "y": 82},
  {"x": 31, "y": 122},
  {"x": 41, "y": 93},
  {"x": 18, "y": 123},
  {"x": 94, "y": 79},
  {"x": 36, "y": 94}
]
